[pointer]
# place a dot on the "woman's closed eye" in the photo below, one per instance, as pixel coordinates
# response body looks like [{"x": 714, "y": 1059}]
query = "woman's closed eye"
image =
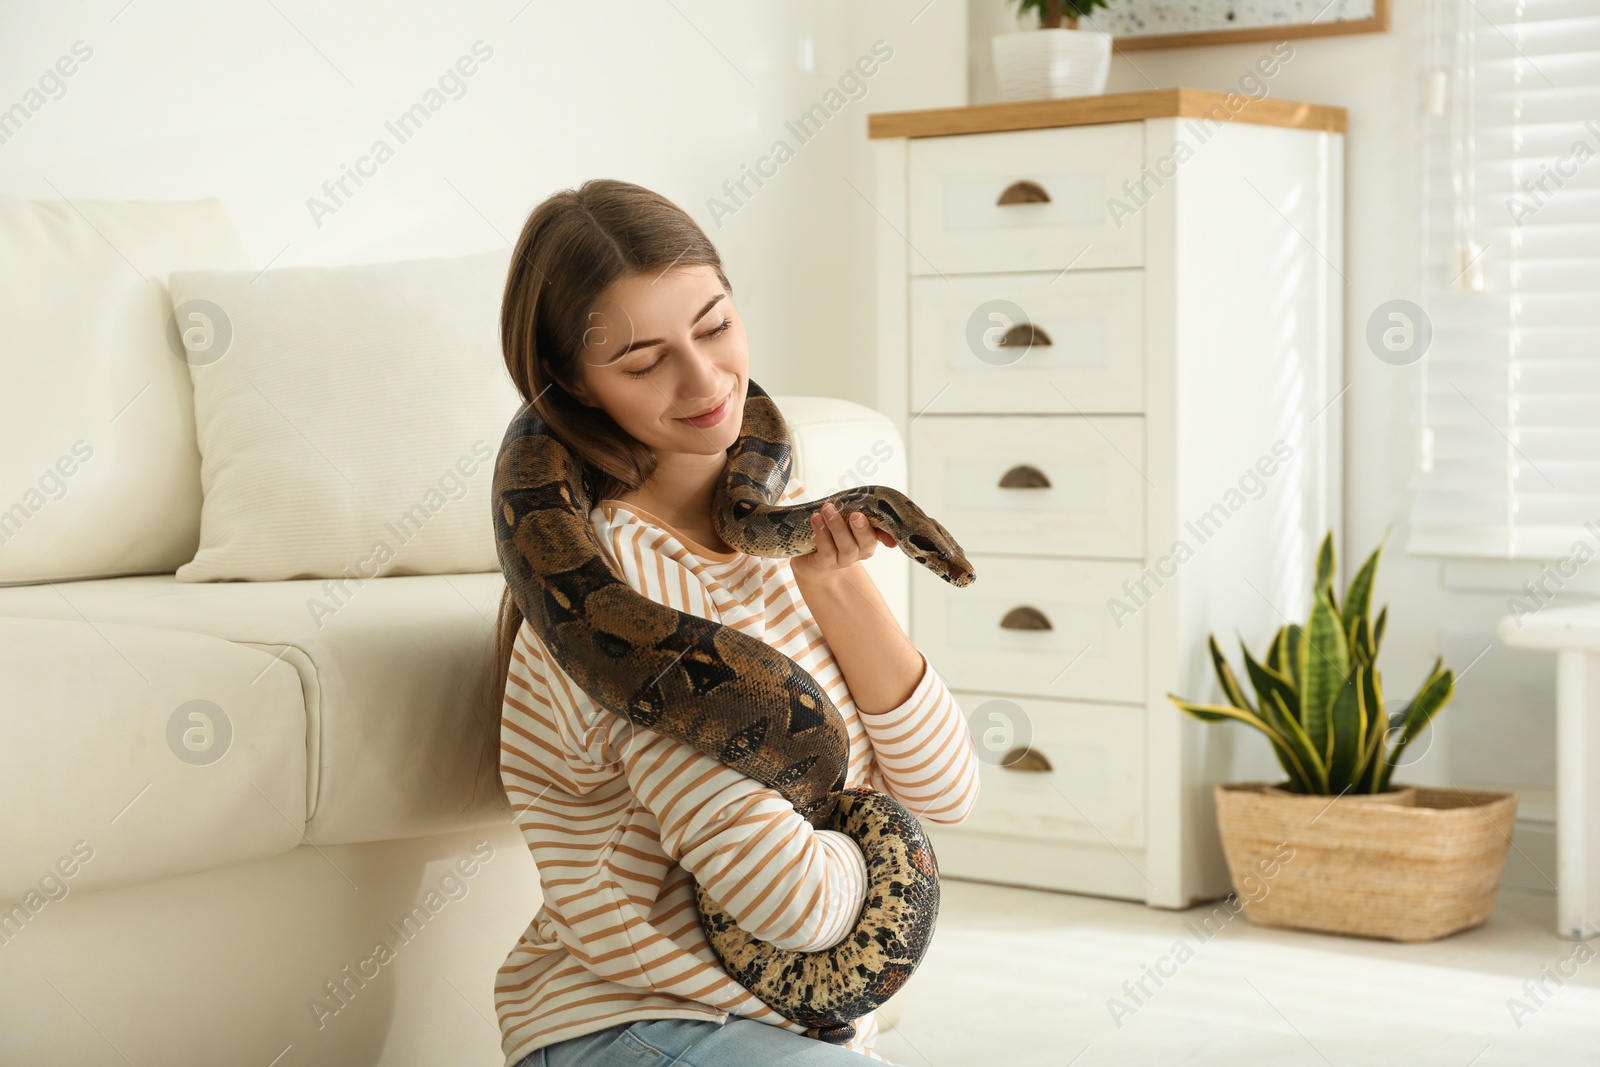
[{"x": 725, "y": 325}]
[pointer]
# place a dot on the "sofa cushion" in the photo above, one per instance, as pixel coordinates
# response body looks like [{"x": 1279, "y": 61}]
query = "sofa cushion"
[
  {"x": 97, "y": 445},
  {"x": 348, "y": 417},
  {"x": 135, "y": 752},
  {"x": 389, "y": 711}
]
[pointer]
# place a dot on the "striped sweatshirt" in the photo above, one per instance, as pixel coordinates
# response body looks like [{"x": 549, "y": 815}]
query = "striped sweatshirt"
[{"x": 621, "y": 822}]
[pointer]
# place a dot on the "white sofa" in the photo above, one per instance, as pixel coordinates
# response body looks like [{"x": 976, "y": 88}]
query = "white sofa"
[{"x": 157, "y": 907}]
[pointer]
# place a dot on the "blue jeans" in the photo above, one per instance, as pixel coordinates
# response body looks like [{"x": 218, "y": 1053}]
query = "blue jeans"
[{"x": 739, "y": 1042}]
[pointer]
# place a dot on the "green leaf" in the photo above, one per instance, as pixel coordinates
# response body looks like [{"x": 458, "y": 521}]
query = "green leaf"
[
  {"x": 1268, "y": 681},
  {"x": 1358, "y": 598},
  {"x": 1347, "y": 730},
  {"x": 1222, "y": 713},
  {"x": 1327, "y": 665},
  {"x": 1368, "y": 780},
  {"x": 1383, "y": 727},
  {"x": 1294, "y": 657},
  {"x": 1304, "y": 780},
  {"x": 1326, "y": 565},
  {"x": 1230, "y": 685},
  {"x": 1299, "y": 780},
  {"x": 1377, "y": 632},
  {"x": 1372, "y": 728},
  {"x": 1277, "y": 651},
  {"x": 1434, "y": 693},
  {"x": 1295, "y": 734},
  {"x": 1358, "y": 636}
]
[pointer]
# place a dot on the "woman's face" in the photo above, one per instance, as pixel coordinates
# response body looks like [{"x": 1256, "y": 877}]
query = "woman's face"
[{"x": 661, "y": 347}]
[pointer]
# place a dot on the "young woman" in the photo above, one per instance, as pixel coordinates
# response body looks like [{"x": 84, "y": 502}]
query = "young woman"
[{"x": 619, "y": 323}]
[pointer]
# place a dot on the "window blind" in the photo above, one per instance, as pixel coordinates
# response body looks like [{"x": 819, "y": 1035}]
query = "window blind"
[{"x": 1508, "y": 459}]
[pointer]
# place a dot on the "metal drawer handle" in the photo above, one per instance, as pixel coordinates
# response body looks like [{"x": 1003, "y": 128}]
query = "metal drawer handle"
[
  {"x": 1024, "y": 476},
  {"x": 1025, "y": 335},
  {"x": 1025, "y": 759},
  {"x": 1025, "y": 618},
  {"x": 1024, "y": 192}
]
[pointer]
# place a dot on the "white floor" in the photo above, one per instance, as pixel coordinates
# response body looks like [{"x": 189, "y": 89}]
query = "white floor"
[{"x": 1020, "y": 976}]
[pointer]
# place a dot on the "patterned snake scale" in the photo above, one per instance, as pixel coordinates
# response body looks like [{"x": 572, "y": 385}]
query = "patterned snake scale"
[{"x": 733, "y": 696}]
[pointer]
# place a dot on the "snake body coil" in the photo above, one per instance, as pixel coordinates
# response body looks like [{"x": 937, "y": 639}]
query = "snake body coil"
[{"x": 732, "y": 696}]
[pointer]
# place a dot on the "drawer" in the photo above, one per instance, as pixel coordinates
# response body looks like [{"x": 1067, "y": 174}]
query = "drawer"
[
  {"x": 1034, "y": 627},
  {"x": 1033, "y": 484},
  {"x": 1024, "y": 199},
  {"x": 1073, "y": 344},
  {"x": 1084, "y": 779}
]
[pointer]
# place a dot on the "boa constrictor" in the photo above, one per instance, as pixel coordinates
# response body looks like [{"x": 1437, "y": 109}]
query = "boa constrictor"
[{"x": 732, "y": 696}]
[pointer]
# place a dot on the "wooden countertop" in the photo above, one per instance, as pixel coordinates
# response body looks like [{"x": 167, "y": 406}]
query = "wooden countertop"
[{"x": 1111, "y": 107}]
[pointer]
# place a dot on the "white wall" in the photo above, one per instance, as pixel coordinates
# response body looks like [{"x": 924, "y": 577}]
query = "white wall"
[
  {"x": 261, "y": 102},
  {"x": 1499, "y": 730}
]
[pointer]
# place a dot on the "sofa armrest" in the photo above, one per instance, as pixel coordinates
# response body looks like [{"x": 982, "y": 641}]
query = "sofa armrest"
[{"x": 105, "y": 777}]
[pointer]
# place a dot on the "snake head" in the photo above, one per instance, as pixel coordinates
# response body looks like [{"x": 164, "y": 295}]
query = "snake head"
[{"x": 936, "y": 550}]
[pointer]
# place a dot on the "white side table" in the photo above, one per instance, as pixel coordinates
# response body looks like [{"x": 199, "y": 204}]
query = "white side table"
[{"x": 1574, "y": 634}]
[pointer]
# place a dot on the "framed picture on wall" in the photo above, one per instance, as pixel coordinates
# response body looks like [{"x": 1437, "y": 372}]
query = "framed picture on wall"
[{"x": 1136, "y": 24}]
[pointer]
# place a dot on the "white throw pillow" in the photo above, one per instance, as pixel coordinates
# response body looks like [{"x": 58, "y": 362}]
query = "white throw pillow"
[
  {"x": 98, "y": 467},
  {"x": 348, "y": 417}
]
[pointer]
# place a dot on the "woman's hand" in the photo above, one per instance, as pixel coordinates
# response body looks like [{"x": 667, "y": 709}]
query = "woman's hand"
[
  {"x": 880, "y": 665},
  {"x": 842, "y": 541}
]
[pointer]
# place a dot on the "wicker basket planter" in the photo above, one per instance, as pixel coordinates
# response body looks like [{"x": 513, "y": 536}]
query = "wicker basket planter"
[{"x": 1412, "y": 864}]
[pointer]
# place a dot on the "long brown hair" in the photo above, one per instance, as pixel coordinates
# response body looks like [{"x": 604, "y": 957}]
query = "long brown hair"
[{"x": 574, "y": 245}]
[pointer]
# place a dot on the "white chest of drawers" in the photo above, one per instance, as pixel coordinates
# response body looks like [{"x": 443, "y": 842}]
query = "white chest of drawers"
[{"x": 1110, "y": 331}]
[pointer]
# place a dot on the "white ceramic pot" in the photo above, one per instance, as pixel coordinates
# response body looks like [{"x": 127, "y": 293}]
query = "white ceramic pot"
[{"x": 1046, "y": 64}]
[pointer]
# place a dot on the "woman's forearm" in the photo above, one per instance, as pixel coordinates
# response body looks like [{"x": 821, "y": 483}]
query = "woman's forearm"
[{"x": 880, "y": 665}]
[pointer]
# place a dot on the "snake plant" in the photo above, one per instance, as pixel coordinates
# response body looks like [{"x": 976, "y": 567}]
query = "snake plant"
[{"x": 1318, "y": 693}]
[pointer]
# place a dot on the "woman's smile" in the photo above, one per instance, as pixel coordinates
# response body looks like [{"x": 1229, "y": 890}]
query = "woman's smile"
[{"x": 715, "y": 415}]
